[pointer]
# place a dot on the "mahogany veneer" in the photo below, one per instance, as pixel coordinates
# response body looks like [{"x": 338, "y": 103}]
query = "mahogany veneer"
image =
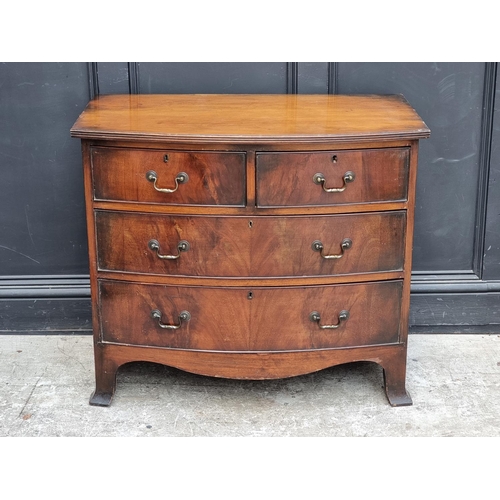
[{"x": 250, "y": 236}]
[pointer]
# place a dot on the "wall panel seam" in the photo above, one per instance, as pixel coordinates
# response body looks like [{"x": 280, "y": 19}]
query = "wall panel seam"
[
  {"x": 484, "y": 166},
  {"x": 93, "y": 78},
  {"x": 333, "y": 77},
  {"x": 292, "y": 78},
  {"x": 133, "y": 78}
]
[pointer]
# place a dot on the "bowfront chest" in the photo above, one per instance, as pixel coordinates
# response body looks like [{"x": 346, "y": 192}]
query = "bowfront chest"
[{"x": 250, "y": 236}]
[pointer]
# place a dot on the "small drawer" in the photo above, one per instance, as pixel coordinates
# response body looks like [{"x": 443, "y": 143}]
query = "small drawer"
[
  {"x": 332, "y": 178},
  {"x": 260, "y": 247},
  {"x": 169, "y": 177},
  {"x": 251, "y": 319}
]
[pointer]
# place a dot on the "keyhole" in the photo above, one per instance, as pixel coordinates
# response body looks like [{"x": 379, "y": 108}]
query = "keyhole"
[
  {"x": 165, "y": 158},
  {"x": 334, "y": 158},
  {"x": 250, "y": 224},
  {"x": 250, "y": 295}
]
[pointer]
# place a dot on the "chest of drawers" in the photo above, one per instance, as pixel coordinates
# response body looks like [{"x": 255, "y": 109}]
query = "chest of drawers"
[{"x": 250, "y": 236}]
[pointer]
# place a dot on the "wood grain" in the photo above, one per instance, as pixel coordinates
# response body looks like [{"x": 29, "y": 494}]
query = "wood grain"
[
  {"x": 249, "y": 118},
  {"x": 286, "y": 179},
  {"x": 256, "y": 319},
  {"x": 250, "y": 212},
  {"x": 215, "y": 178},
  {"x": 262, "y": 246},
  {"x": 252, "y": 366}
]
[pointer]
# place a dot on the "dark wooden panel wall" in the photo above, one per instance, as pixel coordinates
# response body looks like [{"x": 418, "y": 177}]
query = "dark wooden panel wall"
[{"x": 43, "y": 252}]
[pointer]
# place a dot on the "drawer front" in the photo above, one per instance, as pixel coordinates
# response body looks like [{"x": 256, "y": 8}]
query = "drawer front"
[
  {"x": 215, "y": 246},
  {"x": 264, "y": 246},
  {"x": 364, "y": 176},
  {"x": 216, "y": 178},
  {"x": 251, "y": 319}
]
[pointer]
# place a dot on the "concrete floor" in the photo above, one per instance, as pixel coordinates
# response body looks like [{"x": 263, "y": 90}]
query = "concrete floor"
[{"x": 46, "y": 381}]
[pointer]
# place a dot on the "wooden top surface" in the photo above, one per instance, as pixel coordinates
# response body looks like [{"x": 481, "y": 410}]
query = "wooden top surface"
[{"x": 249, "y": 118}]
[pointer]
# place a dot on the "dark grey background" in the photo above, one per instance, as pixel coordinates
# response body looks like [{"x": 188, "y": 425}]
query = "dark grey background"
[{"x": 43, "y": 250}]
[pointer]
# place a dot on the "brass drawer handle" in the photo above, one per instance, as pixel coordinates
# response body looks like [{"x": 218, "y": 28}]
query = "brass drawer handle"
[
  {"x": 320, "y": 179},
  {"x": 181, "y": 178},
  {"x": 183, "y": 316},
  {"x": 182, "y": 246},
  {"x": 343, "y": 316},
  {"x": 317, "y": 246}
]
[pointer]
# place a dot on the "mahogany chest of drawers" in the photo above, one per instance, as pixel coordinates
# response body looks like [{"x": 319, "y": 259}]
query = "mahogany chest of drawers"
[{"x": 250, "y": 236}]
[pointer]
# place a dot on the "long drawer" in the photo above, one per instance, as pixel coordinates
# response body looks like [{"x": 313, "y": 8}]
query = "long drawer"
[
  {"x": 169, "y": 177},
  {"x": 250, "y": 319},
  {"x": 262, "y": 246},
  {"x": 332, "y": 177}
]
